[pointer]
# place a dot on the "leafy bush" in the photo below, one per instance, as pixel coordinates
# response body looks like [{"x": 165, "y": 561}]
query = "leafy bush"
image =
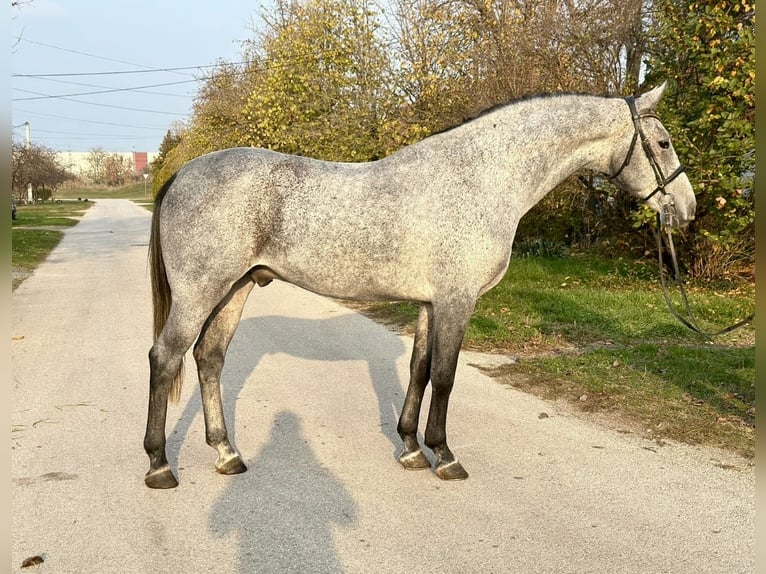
[{"x": 706, "y": 49}]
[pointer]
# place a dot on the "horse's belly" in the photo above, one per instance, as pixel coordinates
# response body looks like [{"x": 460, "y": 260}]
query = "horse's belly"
[{"x": 368, "y": 281}]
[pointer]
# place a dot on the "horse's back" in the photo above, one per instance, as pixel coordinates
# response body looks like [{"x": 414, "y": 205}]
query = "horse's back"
[{"x": 285, "y": 195}]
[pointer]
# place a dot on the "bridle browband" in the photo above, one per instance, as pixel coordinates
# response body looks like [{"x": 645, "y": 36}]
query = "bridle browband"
[{"x": 638, "y": 132}]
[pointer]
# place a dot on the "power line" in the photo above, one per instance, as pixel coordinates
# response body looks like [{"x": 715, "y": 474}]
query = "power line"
[
  {"x": 99, "y": 57},
  {"x": 120, "y": 72},
  {"x": 120, "y": 136},
  {"x": 107, "y": 87},
  {"x": 108, "y": 105},
  {"x": 108, "y": 91},
  {"x": 100, "y": 137},
  {"x": 82, "y": 120}
]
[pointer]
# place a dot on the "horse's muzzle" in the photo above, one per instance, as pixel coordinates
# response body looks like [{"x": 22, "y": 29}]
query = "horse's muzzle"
[{"x": 674, "y": 215}]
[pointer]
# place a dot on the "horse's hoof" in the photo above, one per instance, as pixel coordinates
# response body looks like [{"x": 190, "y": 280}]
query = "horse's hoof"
[
  {"x": 232, "y": 466},
  {"x": 162, "y": 478},
  {"x": 414, "y": 460},
  {"x": 451, "y": 471}
]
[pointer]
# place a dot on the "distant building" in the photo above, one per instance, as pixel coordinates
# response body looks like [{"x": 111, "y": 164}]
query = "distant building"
[
  {"x": 140, "y": 161},
  {"x": 77, "y": 162}
]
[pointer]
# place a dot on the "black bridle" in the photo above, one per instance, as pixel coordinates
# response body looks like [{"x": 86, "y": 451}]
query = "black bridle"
[
  {"x": 638, "y": 133},
  {"x": 666, "y": 216}
]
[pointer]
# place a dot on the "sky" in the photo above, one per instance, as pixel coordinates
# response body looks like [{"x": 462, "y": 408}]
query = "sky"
[{"x": 65, "y": 48}]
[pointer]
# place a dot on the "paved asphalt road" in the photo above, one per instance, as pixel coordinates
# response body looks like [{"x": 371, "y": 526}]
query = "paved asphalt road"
[{"x": 312, "y": 391}]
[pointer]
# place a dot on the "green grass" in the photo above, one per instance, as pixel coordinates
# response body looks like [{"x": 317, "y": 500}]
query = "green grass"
[
  {"x": 548, "y": 304},
  {"x": 584, "y": 302},
  {"x": 54, "y": 214},
  {"x": 697, "y": 395},
  {"x": 569, "y": 320},
  {"x": 133, "y": 192},
  {"x": 29, "y": 247}
]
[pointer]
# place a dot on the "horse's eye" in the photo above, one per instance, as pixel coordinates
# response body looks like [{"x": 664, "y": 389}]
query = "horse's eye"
[{"x": 665, "y": 144}]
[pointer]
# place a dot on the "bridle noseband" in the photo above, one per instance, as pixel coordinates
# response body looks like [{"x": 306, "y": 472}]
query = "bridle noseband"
[{"x": 662, "y": 181}]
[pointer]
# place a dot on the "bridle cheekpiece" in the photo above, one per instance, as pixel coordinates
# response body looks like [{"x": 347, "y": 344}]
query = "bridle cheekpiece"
[{"x": 662, "y": 181}]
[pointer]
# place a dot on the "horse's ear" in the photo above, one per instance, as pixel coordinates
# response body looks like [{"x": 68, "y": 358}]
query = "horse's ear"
[{"x": 649, "y": 101}]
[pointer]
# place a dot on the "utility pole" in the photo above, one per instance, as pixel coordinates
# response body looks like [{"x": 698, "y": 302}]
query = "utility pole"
[{"x": 29, "y": 144}]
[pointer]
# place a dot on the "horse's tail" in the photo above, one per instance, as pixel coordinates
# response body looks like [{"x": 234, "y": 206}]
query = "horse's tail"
[{"x": 162, "y": 297}]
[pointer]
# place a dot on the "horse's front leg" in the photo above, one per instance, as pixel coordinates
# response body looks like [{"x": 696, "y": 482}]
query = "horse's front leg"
[
  {"x": 450, "y": 322},
  {"x": 210, "y": 353},
  {"x": 420, "y": 372}
]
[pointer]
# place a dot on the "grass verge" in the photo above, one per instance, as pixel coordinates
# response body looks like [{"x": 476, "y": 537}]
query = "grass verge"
[
  {"x": 29, "y": 247},
  {"x": 695, "y": 395},
  {"x": 597, "y": 334},
  {"x": 36, "y": 231},
  {"x": 50, "y": 214},
  {"x": 133, "y": 192}
]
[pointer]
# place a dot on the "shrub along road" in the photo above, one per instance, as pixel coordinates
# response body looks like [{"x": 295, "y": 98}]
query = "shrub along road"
[{"x": 312, "y": 391}]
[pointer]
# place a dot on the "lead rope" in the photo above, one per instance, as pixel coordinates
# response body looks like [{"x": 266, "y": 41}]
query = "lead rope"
[{"x": 691, "y": 322}]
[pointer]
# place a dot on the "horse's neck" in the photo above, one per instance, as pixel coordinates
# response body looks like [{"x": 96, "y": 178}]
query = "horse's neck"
[{"x": 545, "y": 140}]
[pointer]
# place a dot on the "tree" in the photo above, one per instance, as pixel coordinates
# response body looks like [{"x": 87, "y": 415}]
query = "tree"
[
  {"x": 459, "y": 57},
  {"x": 322, "y": 90},
  {"x": 96, "y": 159},
  {"x": 706, "y": 49},
  {"x": 483, "y": 52},
  {"x": 37, "y": 166},
  {"x": 161, "y": 166},
  {"x": 218, "y": 118},
  {"x": 438, "y": 71},
  {"x": 172, "y": 139},
  {"x": 117, "y": 170}
]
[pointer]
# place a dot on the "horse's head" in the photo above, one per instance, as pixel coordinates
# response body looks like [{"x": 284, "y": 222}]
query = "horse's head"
[{"x": 651, "y": 170}]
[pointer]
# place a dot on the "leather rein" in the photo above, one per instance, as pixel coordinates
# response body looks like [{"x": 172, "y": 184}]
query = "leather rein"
[{"x": 664, "y": 220}]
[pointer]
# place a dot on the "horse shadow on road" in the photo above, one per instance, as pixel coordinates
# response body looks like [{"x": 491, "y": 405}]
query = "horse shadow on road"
[
  {"x": 285, "y": 508},
  {"x": 345, "y": 337}
]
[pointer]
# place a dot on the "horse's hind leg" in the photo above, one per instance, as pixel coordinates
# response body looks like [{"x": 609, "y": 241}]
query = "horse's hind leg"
[
  {"x": 420, "y": 371},
  {"x": 210, "y": 353},
  {"x": 450, "y": 322},
  {"x": 165, "y": 359}
]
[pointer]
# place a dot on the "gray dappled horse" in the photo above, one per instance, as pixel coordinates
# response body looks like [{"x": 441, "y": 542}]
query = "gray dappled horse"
[{"x": 432, "y": 223}]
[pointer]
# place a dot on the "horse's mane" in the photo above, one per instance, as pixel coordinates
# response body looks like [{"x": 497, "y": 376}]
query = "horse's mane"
[{"x": 513, "y": 101}]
